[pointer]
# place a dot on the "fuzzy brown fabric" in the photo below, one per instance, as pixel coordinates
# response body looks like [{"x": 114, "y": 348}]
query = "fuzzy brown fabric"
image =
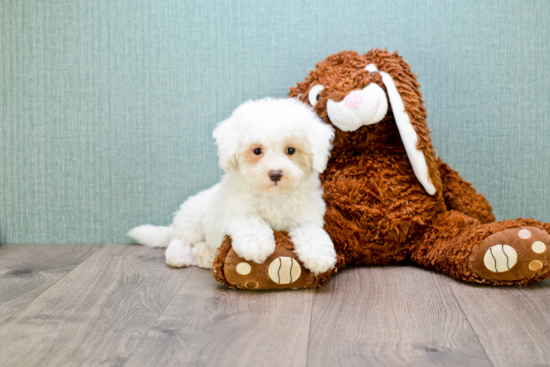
[
  {"x": 219, "y": 262},
  {"x": 460, "y": 195},
  {"x": 378, "y": 212}
]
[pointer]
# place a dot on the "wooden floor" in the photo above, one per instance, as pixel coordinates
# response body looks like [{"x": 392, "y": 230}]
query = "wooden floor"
[{"x": 119, "y": 305}]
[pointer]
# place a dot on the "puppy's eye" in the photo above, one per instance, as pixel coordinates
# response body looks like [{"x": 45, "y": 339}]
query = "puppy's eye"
[
  {"x": 314, "y": 94},
  {"x": 290, "y": 151},
  {"x": 258, "y": 151}
]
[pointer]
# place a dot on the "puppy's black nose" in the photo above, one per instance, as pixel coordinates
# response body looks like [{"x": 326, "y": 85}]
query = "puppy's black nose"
[{"x": 275, "y": 175}]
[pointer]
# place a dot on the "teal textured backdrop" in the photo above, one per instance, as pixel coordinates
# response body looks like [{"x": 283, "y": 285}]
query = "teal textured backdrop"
[{"x": 107, "y": 106}]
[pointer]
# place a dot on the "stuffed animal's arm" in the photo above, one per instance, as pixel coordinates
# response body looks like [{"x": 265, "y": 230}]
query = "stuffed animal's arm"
[{"x": 459, "y": 195}]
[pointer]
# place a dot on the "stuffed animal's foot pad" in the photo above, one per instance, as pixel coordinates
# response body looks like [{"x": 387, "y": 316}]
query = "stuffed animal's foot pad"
[
  {"x": 284, "y": 270},
  {"x": 512, "y": 254},
  {"x": 281, "y": 270}
]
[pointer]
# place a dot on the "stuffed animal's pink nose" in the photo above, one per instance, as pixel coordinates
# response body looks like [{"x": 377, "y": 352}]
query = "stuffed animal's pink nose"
[{"x": 354, "y": 99}]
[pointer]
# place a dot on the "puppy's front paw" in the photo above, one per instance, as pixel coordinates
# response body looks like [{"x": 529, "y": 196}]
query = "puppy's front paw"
[
  {"x": 318, "y": 263},
  {"x": 254, "y": 248},
  {"x": 314, "y": 248}
]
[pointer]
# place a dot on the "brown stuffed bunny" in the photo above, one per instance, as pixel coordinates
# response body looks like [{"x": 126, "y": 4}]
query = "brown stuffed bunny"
[{"x": 389, "y": 198}]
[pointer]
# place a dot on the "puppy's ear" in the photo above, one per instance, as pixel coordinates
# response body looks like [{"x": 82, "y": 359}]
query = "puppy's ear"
[
  {"x": 320, "y": 136},
  {"x": 227, "y": 140}
]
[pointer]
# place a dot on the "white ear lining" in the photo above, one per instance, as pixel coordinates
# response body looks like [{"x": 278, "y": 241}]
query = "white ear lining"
[
  {"x": 371, "y": 68},
  {"x": 407, "y": 132}
]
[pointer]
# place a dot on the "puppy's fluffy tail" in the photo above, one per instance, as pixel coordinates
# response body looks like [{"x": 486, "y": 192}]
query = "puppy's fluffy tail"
[{"x": 151, "y": 236}]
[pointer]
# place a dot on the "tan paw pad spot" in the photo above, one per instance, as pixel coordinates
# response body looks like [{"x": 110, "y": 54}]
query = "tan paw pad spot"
[
  {"x": 535, "y": 265},
  {"x": 538, "y": 247},
  {"x": 500, "y": 258},
  {"x": 524, "y": 234},
  {"x": 284, "y": 270},
  {"x": 244, "y": 268},
  {"x": 251, "y": 284}
]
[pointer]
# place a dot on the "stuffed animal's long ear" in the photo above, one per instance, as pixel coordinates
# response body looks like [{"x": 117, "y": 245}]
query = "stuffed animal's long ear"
[
  {"x": 411, "y": 123},
  {"x": 320, "y": 138},
  {"x": 227, "y": 140}
]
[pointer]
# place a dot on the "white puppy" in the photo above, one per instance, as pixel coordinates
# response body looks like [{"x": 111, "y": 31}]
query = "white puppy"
[{"x": 273, "y": 151}]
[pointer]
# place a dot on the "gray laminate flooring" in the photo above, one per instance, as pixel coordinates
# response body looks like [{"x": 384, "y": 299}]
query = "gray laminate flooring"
[{"x": 119, "y": 305}]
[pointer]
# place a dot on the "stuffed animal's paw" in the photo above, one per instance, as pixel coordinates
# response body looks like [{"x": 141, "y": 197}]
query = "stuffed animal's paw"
[
  {"x": 281, "y": 270},
  {"x": 512, "y": 254}
]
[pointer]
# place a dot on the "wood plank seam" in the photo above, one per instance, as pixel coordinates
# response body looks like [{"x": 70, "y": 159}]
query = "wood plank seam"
[
  {"x": 310, "y": 323},
  {"x": 447, "y": 280},
  {"x": 159, "y": 315},
  {"x": 510, "y": 322},
  {"x": 111, "y": 301},
  {"x": 99, "y": 246}
]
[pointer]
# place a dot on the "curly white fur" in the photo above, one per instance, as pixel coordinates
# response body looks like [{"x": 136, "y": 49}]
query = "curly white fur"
[{"x": 247, "y": 204}]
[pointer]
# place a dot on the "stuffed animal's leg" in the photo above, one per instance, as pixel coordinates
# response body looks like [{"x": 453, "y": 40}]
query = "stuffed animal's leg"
[
  {"x": 281, "y": 270},
  {"x": 461, "y": 196},
  {"x": 511, "y": 252}
]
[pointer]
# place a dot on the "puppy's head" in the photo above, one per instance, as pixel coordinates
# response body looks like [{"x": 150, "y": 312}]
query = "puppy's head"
[{"x": 273, "y": 144}]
